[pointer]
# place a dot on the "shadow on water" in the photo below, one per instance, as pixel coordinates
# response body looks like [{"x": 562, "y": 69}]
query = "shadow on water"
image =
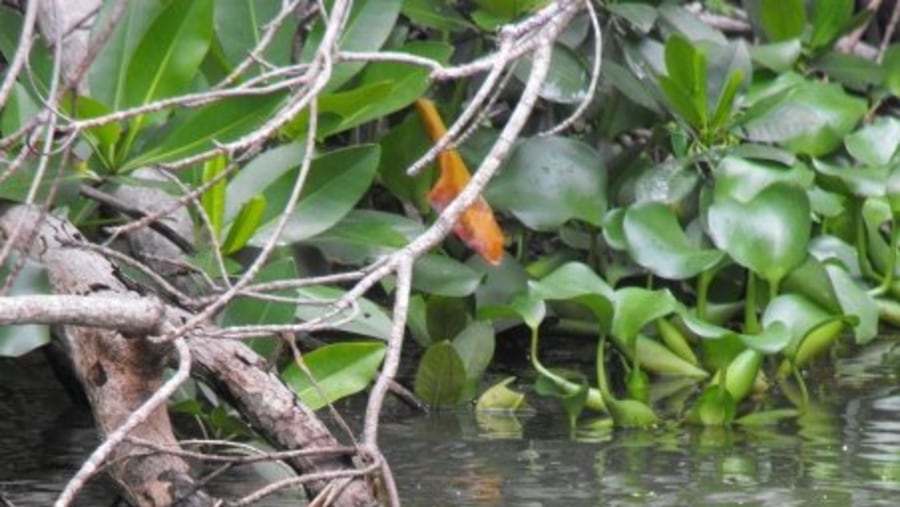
[{"x": 844, "y": 451}]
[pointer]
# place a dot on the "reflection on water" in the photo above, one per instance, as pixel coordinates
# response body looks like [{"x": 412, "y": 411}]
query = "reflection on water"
[{"x": 844, "y": 451}]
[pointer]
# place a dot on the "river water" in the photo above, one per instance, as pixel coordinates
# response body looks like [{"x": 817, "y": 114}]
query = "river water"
[{"x": 844, "y": 451}]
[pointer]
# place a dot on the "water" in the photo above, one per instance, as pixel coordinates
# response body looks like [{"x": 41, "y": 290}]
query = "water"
[{"x": 845, "y": 451}]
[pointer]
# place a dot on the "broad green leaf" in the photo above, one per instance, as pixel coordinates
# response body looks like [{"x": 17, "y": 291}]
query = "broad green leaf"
[
  {"x": 392, "y": 86},
  {"x": 614, "y": 230},
  {"x": 549, "y": 180},
  {"x": 368, "y": 26},
  {"x": 853, "y": 71},
  {"x": 64, "y": 187},
  {"x": 369, "y": 319},
  {"x": 107, "y": 75},
  {"x": 437, "y": 274},
  {"x": 635, "y": 308},
  {"x": 768, "y": 234},
  {"x": 810, "y": 118},
  {"x": 446, "y": 317},
  {"x": 336, "y": 181},
  {"x": 338, "y": 370},
  {"x": 19, "y": 340},
  {"x": 855, "y": 302},
  {"x": 240, "y": 25},
  {"x": 261, "y": 172},
  {"x": 777, "y": 56},
  {"x": 39, "y": 67},
  {"x": 245, "y": 225},
  {"x": 674, "y": 18},
  {"x": 364, "y": 235},
  {"x": 169, "y": 54},
  {"x": 830, "y": 18},
  {"x": 435, "y": 14},
  {"x": 575, "y": 281},
  {"x": 742, "y": 179},
  {"x": 103, "y": 137},
  {"x": 525, "y": 306},
  {"x": 686, "y": 84},
  {"x": 782, "y": 19},
  {"x": 850, "y": 180},
  {"x": 500, "y": 397},
  {"x": 475, "y": 347},
  {"x": 774, "y": 338},
  {"x": 441, "y": 376},
  {"x": 573, "y": 399},
  {"x": 811, "y": 280},
  {"x": 198, "y": 130},
  {"x": 567, "y": 78},
  {"x": 656, "y": 241},
  {"x": 876, "y": 143},
  {"x": 501, "y": 283},
  {"x": 642, "y": 17},
  {"x": 799, "y": 314},
  {"x": 250, "y": 311}
]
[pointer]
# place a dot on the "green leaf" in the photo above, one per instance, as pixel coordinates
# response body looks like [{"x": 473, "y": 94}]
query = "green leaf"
[
  {"x": 799, "y": 314},
  {"x": 437, "y": 274},
  {"x": 774, "y": 338},
  {"x": 657, "y": 358},
  {"x": 336, "y": 181},
  {"x": 783, "y": 19},
  {"x": 829, "y": 20},
  {"x": 853, "y": 71},
  {"x": 107, "y": 75},
  {"x": 500, "y": 397},
  {"x": 402, "y": 146},
  {"x": 636, "y": 307},
  {"x": 213, "y": 200},
  {"x": 441, "y": 376},
  {"x": 742, "y": 179},
  {"x": 642, "y": 17},
  {"x": 741, "y": 374},
  {"x": 261, "y": 172},
  {"x": 198, "y": 130},
  {"x": 244, "y": 311},
  {"x": 475, "y": 347},
  {"x": 810, "y": 118},
  {"x": 385, "y": 87},
  {"x": 768, "y": 417},
  {"x": 567, "y": 79},
  {"x": 674, "y": 18},
  {"x": 169, "y": 54},
  {"x": 435, "y": 14},
  {"x": 855, "y": 302},
  {"x": 575, "y": 281},
  {"x": 549, "y": 180},
  {"x": 849, "y": 180},
  {"x": 369, "y": 319},
  {"x": 368, "y": 26},
  {"x": 891, "y": 64},
  {"x": 777, "y": 56},
  {"x": 714, "y": 407},
  {"x": 364, "y": 235},
  {"x": 19, "y": 340},
  {"x": 685, "y": 85},
  {"x": 656, "y": 241},
  {"x": 768, "y": 234},
  {"x": 446, "y": 317},
  {"x": 245, "y": 225},
  {"x": 339, "y": 370},
  {"x": 875, "y": 144},
  {"x": 240, "y": 25}
]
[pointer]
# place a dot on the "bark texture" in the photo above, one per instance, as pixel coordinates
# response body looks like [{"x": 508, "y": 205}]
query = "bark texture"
[{"x": 118, "y": 372}]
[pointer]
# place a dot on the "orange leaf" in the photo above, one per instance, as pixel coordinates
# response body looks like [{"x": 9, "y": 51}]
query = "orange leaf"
[{"x": 476, "y": 227}]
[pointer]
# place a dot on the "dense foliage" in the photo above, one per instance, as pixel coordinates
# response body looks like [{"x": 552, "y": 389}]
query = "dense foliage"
[{"x": 724, "y": 210}]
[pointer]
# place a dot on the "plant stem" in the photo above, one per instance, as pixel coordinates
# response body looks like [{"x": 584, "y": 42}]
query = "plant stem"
[
  {"x": 703, "y": 282},
  {"x": 751, "y": 322},
  {"x": 888, "y": 278}
]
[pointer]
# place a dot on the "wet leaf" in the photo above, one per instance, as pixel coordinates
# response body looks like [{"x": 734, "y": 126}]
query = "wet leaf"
[
  {"x": 876, "y": 143},
  {"x": 437, "y": 274},
  {"x": 499, "y": 397},
  {"x": 567, "y": 78},
  {"x": 577, "y": 282},
  {"x": 636, "y": 307}
]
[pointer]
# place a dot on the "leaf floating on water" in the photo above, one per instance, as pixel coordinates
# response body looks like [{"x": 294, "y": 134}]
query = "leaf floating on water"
[{"x": 476, "y": 227}]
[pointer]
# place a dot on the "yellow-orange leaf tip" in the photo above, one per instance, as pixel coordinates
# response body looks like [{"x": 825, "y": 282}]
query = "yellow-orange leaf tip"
[{"x": 476, "y": 227}]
